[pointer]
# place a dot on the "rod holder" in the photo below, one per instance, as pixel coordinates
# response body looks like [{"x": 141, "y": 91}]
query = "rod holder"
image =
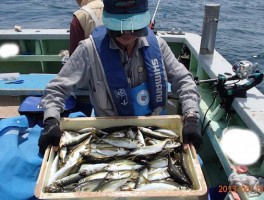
[{"x": 210, "y": 21}]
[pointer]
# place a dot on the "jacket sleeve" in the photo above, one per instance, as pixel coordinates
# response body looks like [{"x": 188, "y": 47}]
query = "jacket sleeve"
[
  {"x": 182, "y": 83},
  {"x": 73, "y": 75}
]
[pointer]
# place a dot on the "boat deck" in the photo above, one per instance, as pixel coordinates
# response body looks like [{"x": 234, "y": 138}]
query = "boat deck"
[{"x": 9, "y": 106}]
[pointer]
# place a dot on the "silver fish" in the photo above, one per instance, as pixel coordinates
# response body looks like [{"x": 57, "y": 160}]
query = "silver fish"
[
  {"x": 75, "y": 154},
  {"x": 76, "y": 140},
  {"x": 118, "y": 134},
  {"x": 156, "y": 186},
  {"x": 99, "y": 175},
  {"x": 111, "y": 151},
  {"x": 172, "y": 144},
  {"x": 152, "y": 149},
  {"x": 122, "y": 174},
  {"x": 94, "y": 155},
  {"x": 159, "y": 163},
  {"x": 66, "y": 136},
  {"x": 87, "y": 169},
  {"x": 62, "y": 155},
  {"x": 112, "y": 185},
  {"x": 72, "y": 160},
  {"x": 142, "y": 178},
  {"x": 187, "y": 174},
  {"x": 153, "y": 134},
  {"x": 176, "y": 173},
  {"x": 85, "y": 130},
  {"x": 171, "y": 182},
  {"x": 130, "y": 134},
  {"x": 122, "y": 165},
  {"x": 156, "y": 170},
  {"x": 53, "y": 169},
  {"x": 123, "y": 142},
  {"x": 158, "y": 174},
  {"x": 170, "y": 133},
  {"x": 140, "y": 138},
  {"x": 69, "y": 179},
  {"x": 88, "y": 186},
  {"x": 62, "y": 172},
  {"x": 69, "y": 188},
  {"x": 99, "y": 145}
]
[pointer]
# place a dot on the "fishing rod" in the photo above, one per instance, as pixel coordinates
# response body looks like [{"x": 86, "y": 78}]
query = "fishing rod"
[{"x": 151, "y": 24}]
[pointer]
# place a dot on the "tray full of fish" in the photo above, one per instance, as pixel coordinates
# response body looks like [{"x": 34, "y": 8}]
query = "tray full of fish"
[{"x": 121, "y": 157}]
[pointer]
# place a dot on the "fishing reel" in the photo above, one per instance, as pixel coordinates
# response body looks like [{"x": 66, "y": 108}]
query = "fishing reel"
[{"x": 228, "y": 91}]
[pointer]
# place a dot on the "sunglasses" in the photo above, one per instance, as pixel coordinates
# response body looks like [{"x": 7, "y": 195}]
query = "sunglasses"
[{"x": 135, "y": 33}]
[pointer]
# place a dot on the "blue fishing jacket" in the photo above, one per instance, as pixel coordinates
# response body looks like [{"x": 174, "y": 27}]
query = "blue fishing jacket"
[{"x": 116, "y": 77}]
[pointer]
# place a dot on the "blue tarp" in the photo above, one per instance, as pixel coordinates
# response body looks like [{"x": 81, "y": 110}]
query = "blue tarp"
[
  {"x": 19, "y": 158},
  {"x": 29, "y": 87}
]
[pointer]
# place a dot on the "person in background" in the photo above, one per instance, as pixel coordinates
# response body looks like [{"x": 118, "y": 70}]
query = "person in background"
[
  {"x": 126, "y": 69},
  {"x": 84, "y": 20}
]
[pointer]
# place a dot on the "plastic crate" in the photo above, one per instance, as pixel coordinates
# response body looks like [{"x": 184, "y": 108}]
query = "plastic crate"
[{"x": 173, "y": 122}]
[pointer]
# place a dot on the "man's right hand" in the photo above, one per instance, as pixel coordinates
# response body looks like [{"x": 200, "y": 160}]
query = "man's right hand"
[{"x": 50, "y": 135}]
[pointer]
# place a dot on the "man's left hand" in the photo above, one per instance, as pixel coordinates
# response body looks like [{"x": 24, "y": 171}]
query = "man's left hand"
[{"x": 191, "y": 132}]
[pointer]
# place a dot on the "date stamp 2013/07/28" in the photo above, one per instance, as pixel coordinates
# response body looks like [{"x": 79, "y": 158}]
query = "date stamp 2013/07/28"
[{"x": 240, "y": 188}]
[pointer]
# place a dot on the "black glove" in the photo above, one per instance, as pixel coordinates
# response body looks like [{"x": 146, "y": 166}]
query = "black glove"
[
  {"x": 50, "y": 135},
  {"x": 192, "y": 133}
]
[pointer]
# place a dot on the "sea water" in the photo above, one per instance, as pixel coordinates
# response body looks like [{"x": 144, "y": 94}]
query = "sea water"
[{"x": 240, "y": 28}]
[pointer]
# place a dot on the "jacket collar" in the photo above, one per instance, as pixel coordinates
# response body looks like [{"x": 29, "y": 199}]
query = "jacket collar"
[{"x": 141, "y": 42}]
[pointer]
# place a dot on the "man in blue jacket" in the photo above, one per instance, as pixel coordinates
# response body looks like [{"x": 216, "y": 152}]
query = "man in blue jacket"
[{"x": 126, "y": 69}]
